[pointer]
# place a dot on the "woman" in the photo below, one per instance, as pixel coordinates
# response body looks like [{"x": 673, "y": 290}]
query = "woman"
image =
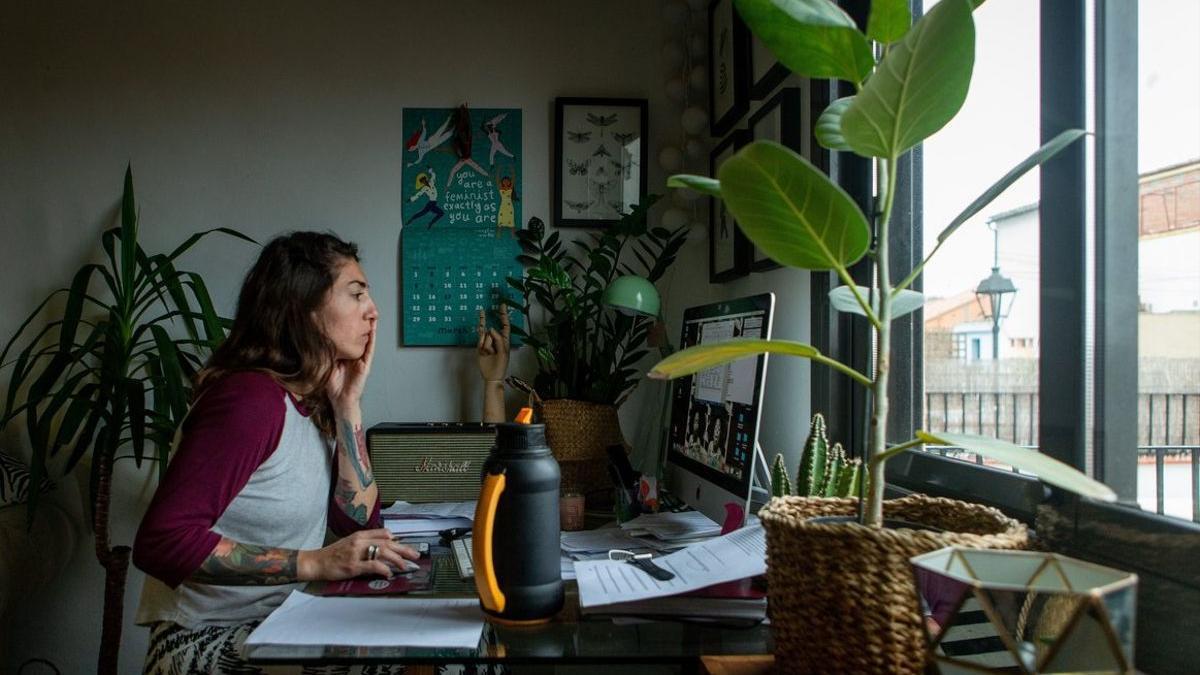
[{"x": 271, "y": 453}]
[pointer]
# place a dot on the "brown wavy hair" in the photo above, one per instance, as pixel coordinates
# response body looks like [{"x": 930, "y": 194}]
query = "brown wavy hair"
[{"x": 275, "y": 330}]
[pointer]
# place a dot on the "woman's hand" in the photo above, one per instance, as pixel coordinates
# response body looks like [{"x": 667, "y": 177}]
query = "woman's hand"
[
  {"x": 493, "y": 347},
  {"x": 349, "y": 378},
  {"x": 347, "y": 558}
]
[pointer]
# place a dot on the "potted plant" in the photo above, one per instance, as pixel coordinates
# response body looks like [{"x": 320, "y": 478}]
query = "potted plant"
[
  {"x": 111, "y": 372},
  {"x": 588, "y": 354},
  {"x": 842, "y": 595}
]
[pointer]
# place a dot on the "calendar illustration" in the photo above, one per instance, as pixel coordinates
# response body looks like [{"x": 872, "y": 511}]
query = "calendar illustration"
[{"x": 461, "y": 183}]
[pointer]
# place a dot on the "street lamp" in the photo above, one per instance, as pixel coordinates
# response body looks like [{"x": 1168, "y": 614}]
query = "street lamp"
[{"x": 996, "y": 288}]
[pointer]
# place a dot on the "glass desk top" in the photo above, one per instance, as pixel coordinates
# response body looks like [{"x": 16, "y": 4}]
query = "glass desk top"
[{"x": 569, "y": 638}]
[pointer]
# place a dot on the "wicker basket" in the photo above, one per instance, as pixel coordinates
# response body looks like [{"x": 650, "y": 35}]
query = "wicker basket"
[
  {"x": 578, "y": 433},
  {"x": 842, "y": 596}
]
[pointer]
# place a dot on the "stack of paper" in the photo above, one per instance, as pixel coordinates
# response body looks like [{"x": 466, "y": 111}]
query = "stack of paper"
[
  {"x": 670, "y": 526},
  {"x": 371, "y": 622},
  {"x": 403, "y": 518},
  {"x": 607, "y": 586}
]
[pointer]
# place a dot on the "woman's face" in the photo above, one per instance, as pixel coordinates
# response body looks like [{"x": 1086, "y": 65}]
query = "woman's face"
[{"x": 348, "y": 314}]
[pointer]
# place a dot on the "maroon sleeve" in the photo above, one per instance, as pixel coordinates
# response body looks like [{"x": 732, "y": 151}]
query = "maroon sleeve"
[{"x": 232, "y": 429}]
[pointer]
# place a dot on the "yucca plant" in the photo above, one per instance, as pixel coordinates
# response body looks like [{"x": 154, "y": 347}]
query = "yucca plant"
[
  {"x": 799, "y": 217},
  {"x": 110, "y": 373}
]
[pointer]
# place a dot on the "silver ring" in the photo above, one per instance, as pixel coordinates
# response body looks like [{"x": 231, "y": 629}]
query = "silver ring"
[{"x": 372, "y": 552}]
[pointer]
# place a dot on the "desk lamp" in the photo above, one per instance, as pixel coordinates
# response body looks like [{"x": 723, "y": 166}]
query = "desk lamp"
[{"x": 636, "y": 296}]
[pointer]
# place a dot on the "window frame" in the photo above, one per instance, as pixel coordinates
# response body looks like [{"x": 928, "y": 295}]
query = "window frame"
[{"x": 1158, "y": 548}]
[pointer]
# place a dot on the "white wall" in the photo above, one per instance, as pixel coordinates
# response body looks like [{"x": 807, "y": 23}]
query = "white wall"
[{"x": 272, "y": 116}]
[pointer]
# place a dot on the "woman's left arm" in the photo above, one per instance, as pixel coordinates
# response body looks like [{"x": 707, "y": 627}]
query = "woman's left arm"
[{"x": 355, "y": 493}]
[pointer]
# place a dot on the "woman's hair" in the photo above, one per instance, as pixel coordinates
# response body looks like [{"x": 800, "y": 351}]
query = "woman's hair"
[{"x": 275, "y": 329}]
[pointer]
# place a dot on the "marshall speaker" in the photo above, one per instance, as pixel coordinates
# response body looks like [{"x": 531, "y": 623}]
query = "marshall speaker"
[{"x": 429, "y": 462}]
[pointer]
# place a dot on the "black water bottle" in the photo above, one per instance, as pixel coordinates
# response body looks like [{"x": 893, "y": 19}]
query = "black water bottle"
[{"x": 515, "y": 547}]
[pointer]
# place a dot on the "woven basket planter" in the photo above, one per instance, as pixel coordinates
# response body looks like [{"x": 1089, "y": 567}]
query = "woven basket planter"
[
  {"x": 578, "y": 433},
  {"x": 842, "y": 596}
]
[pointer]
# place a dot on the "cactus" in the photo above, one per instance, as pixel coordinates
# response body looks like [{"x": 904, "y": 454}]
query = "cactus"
[
  {"x": 812, "y": 461},
  {"x": 850, "y": 478},
  {"x": 781, "y": 485},
  {"x": 833, "y": 467}
]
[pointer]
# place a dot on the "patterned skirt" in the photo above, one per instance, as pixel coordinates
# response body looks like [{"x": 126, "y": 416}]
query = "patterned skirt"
[{"x": 175, "y": 650}]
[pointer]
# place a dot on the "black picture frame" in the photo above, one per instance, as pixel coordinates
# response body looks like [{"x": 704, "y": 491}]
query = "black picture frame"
[
  {"x": 600, "y": 152},
  {"x": 765, "y": 71},
  {"x": 728, "y": 255},
  {"x": 728, "y": 67},
  {"x": 783, "y": 119}
]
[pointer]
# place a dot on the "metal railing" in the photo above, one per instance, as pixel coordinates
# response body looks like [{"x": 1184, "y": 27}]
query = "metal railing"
[{"x": 1168, "y": 431}]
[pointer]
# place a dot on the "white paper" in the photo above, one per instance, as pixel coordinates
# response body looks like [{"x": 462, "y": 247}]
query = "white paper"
[
  {"x": 305, "y": 619},
  {"x": 405, "y": 526},
  {"x": 737, "y": 555},
  {"x": 605, "y": 539},
  {"x": 669, "y": 525},
  {"x": 431, "y": 510}
]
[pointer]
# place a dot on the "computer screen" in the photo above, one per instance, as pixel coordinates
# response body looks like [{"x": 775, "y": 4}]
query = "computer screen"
[{"x": 715, "y": 412}]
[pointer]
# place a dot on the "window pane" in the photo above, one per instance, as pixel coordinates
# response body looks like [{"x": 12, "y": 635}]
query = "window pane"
[
  {"x": 981, "y": 350},
  {"x": 1168, "y": 255}
]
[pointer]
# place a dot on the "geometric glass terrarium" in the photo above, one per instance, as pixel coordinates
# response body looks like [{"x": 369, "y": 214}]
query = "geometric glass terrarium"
[{"x": 1025, "y": 612}]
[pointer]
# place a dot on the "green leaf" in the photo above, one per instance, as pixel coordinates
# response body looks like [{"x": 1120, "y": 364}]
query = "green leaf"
[
  {"x": 1039, "y": 156},
  {"x": 701, "y": 184},
  {"x": 918, "y": 87},
  {"x": 889, "y": 20},
  {"x": 813, "y": 38},
  {"x": 136, "y": 396},
  {"x": 212, "y": 324},
  {"x": 791, "y": 210},
  {"x": 694, "y": 359},
  {"x": 829, "y": 125},
  {"x": 1043, "y": 466},
  {"x": 129, "y": 234},
  {"x": 903, "y": 302},
  {"x": 182, "y": 248},
  {"x": 176, "y": 395},
  {"x": 74, "y": 417}
]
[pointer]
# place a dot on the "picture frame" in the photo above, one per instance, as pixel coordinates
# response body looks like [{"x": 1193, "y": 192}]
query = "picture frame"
[
  {"x": 729, "y": 61},
  {"x": 766, "y": 73},
  {"x": 783, "y": 119},
  {"x": 728, "y": 249},
  {"x": 600, "y": 167}
]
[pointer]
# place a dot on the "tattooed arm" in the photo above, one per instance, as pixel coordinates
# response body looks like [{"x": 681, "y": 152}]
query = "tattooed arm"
[
  {"x": 236, "y": 564},
  {"x": 355, "y": 492}
]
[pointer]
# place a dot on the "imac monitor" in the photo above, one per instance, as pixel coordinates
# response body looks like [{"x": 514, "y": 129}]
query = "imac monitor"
[{"x": 715, "y": 412}]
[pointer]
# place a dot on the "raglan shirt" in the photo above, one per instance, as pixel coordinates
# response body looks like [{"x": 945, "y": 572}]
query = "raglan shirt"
[{"x": 251, "y": 466}]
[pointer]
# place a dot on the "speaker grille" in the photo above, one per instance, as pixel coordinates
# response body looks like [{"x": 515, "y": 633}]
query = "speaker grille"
[{"x": 429, "y": 467}]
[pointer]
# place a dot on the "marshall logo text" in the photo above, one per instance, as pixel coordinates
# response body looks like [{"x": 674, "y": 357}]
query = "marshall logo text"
[{"x": 431, "y": 465}]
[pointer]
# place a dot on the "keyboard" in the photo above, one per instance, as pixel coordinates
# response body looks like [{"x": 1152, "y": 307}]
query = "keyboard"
[{"x": 461, "y": 549}]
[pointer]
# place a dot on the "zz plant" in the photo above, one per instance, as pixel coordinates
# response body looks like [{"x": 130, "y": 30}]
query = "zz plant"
[
  {"x": 112, "y": 373},
  {"x": 910, "y": 80},
  {"x": 585, "y": 351}
]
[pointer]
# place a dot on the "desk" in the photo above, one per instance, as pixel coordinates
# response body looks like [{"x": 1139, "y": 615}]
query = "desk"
[{"x": 569, "y": 639}]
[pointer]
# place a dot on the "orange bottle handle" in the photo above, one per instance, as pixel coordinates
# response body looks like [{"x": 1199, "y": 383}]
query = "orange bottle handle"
[{"x": 481, "y": 543}]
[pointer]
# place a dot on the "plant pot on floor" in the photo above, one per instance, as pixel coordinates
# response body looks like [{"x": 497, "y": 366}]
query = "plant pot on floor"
[
  {"x": 842, "y": 596},
  {"x": 579, "y": 432}
]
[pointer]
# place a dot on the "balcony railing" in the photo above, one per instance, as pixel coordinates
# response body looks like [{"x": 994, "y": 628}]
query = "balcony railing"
[{"x": 1168, "y": 435}]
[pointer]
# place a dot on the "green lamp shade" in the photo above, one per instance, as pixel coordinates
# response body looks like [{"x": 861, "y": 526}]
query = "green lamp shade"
[{"x": 632, "y": 294}]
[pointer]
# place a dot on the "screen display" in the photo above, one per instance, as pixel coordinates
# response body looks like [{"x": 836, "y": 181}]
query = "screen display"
[{"x": 713, "y": 413}]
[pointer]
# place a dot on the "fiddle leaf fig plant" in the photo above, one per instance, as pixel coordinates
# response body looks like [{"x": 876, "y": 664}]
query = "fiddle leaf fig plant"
[{"x": 799, "y": 217}]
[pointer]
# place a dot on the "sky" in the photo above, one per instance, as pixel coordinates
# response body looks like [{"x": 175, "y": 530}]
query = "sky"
[{"x": 998, "y": 125}]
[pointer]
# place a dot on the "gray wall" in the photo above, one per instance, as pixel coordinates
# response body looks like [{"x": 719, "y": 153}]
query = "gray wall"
[{"x": 271, "y": 116}]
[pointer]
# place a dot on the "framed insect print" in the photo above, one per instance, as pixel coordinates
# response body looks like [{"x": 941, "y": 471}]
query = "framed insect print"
[
  {"x": 728, "y": 59},
  {"x": 600, "y": 159},
  {"x": 728, "y": 248},
  {"x": 782, "y": 119}
]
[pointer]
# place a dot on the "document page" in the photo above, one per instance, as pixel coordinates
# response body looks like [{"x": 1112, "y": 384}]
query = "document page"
[
  {"x": 737, "y": 555},
  {"x": 305, "y": 619}
]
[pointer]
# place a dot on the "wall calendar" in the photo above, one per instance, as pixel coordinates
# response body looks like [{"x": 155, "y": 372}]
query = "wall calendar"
[{"x": 461, "y": 184}]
